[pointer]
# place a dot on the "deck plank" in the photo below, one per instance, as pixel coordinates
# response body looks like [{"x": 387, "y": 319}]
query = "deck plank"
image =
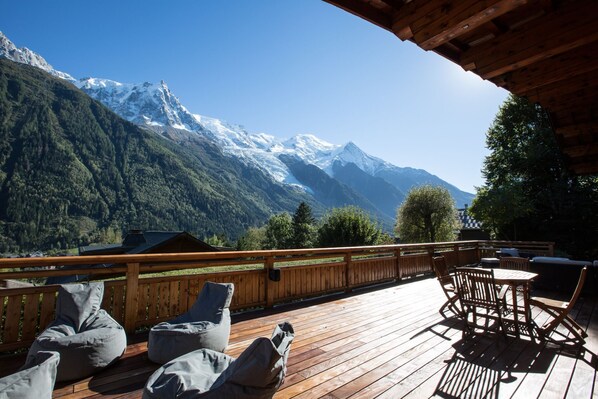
[{"x": 387, "y": 342}]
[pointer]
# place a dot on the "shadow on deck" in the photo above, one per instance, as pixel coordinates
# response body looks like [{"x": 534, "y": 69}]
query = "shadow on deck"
[{"x": 387, "y": 342}]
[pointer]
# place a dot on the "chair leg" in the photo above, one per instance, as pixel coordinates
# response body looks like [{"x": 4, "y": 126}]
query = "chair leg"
[
  {"x": 451, "y": 304},
  {"x": 561, "y": 319},
  {"x": 502, "y": 325},
  {"x": 454, "y": 307},
  {"x": 443, "y": 307},
  {"x": 575, "y": 329},
  {"x": 467, "y": 330}
]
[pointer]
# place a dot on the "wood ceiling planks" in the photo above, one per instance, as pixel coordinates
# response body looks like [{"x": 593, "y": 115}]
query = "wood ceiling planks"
[{"x": 545, "y": 50}]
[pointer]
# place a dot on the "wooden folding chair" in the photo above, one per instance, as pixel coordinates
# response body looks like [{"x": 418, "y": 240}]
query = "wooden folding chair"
[
  {"x": 514, "y": 263},
  {"x": 477, "y": 291},
  {"x": 559, "y": 311},
  {"x": 448, "y": 286}
]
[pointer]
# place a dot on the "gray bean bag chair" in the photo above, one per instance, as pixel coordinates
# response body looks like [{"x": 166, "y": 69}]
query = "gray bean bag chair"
[
  {"x": 35, "y": 380},
  {"x": 256, "y": 374},
  {"x": 205, "y": 325},
  {"x": 86, "y": 337}
]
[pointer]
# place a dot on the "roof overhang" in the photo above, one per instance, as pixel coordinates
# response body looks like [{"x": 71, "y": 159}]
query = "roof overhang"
[{"x": 544, "y": 50}]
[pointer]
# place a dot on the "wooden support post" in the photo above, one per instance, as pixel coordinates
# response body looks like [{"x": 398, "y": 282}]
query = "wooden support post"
[
  {"x": 348, "y": 272},
  {"x": 132, "y": 297},
  {"x": 477, "y": 252},
  {"x": 399, "y": 270},
  {"x": 551, "y": 249},
  {"x": 456, "y": 257},
  {"x": 430, "y": 258},
  {"x": 269, "y": 265}
]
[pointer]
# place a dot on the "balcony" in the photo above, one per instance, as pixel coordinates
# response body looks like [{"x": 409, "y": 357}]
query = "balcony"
[{"x": 370, "y": 329}]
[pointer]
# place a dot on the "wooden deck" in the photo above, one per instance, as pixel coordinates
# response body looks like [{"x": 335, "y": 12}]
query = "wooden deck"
[{"x": 388, "y": 342}]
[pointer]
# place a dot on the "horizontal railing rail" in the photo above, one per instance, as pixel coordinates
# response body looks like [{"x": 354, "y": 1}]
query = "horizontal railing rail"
[{"x": 142, "y": 290}]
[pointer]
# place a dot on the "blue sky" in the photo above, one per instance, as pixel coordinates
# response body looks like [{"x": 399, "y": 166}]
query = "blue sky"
[{"x": 277, "y": 66}]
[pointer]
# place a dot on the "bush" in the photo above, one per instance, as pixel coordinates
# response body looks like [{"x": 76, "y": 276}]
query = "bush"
[{"x": 348, "y": 226}]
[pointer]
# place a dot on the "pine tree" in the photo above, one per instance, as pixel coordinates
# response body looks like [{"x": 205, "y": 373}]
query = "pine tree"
[{"x": 303, "y": 227}]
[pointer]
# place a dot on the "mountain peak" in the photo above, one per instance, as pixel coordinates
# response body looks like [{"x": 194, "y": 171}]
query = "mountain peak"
[
  {"x": 23, "y": 55},
  {"x": 351, "y": 146}
]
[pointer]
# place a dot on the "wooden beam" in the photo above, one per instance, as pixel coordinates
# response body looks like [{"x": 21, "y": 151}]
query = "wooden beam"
[
  {"x": 584, "y": 168},
  {"x": 574, "y": 115},
  {"x": 365, "y": 11},
  {"x": 408, "y": 14},
  {"x": 581, "y": 150},
  {"x": 574, "y": 102},
  {"x": 560, "y": 89},
  {"x": 572, "y": 26},
  {"x": 577, "y": 130},
  {"x": 396, "y": 4},
  {"x": 564, "y": 66},
  {"x": 586, "y": 99},
  {"x": 457, "y": 17}
]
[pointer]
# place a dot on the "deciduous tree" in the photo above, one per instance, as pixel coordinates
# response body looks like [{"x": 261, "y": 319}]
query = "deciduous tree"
[
  {"x": 348, "y": 226},
  {"x": 252, "y": 240},
  {"x": 528, "y": 193},
  {"x": 279, "y": 232},
  {"x": 427, "y": 215}
]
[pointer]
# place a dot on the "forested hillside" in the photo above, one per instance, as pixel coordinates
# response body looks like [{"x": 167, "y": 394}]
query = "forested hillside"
[{"x": 73, "y": 172}]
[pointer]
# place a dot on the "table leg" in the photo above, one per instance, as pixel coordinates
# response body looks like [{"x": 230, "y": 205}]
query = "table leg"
[
  {"x": 515, "y": 310},
  {"x": 528, "y": 311}
]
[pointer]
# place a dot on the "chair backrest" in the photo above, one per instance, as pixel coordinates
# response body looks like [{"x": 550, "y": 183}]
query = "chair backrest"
[
  {"x": 441, "y": 270},
  {"x": 35, "y": 379},
  {"x": 213, "y": 300},
  {"x": 514, "y": 263},
  {"x": 476, "y": 287},
  {"x": 578, "y": 289},
  {"x": 78, "y": 302},
  {"x": 261, "y": 367}
]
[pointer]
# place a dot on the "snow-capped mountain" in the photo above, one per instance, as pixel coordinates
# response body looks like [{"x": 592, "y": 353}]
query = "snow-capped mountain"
[
  {"x": 146, "y": 103},
  {"x": 153, "y": 105},
  {"x": 25, "y": 56}
]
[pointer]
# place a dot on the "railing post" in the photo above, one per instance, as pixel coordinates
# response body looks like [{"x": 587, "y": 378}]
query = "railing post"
[
  {"x": 477, "y": 252},
  {"x": 132, "y": 297},
  {"x": 430, "y": 258},
  {"x": 348, "y": 272},
  {"x": 550, "y": 249},
  {"x": 456, "y": 251},
  {"x": 269, "y": 265},
  {"x": 399, "y": 271}
]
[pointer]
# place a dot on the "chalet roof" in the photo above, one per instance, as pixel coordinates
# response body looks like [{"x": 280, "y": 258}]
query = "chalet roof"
[
  {"x": 544, "y": 50},
  {"x": 147, "y": 241},
  {"x": 467, "y": 222}
]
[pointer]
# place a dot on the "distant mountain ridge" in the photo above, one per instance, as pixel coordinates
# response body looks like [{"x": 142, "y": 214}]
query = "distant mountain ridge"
[
  {"x": 260, "y": 150},
  {"x": 25, "y": 56},
  {"x": 155, "y": 107},
  {"x": 73, "y": 172}
]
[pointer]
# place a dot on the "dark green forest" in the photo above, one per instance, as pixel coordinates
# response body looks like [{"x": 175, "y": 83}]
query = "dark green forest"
[
  {"x": 529, "y": 193},
  {"x": 72, "y": 173}
]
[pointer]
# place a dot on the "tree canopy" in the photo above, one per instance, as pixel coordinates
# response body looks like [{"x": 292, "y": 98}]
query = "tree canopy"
[
  {"x": 348, "y": 226},
  {"x": 427, "y": 215},
  {"x": 279, "y": 232},
  {"x": 252, "y": 240},
  {"x": 303, "y": 227},
  {"x": 528, "y": 193}
]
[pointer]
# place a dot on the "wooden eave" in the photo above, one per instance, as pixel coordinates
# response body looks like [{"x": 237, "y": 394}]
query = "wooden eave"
[{"x": 544, "y": 50}]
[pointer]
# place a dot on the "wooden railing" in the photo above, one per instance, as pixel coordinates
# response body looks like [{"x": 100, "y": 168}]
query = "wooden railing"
[{"x": 136, "y": 296}]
